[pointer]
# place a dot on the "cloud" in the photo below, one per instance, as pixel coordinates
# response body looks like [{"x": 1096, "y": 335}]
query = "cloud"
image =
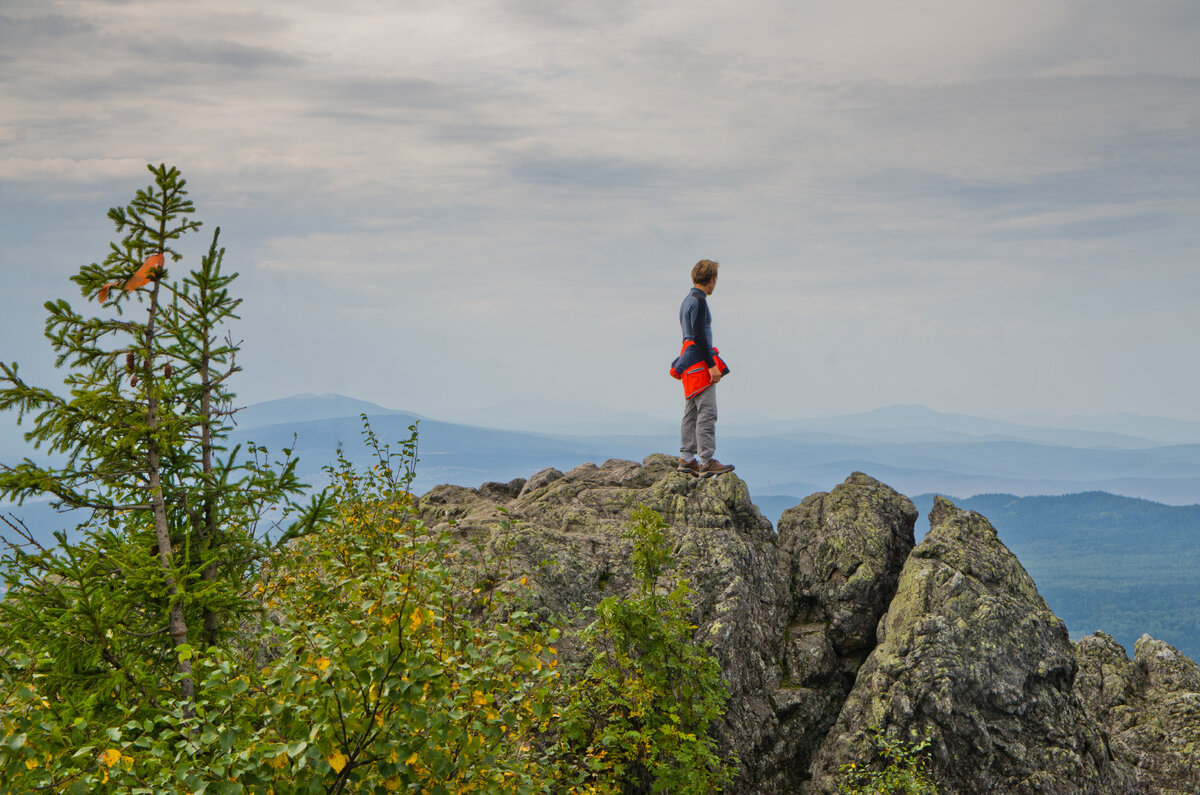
[
  {"x": 36, "y": 30},
  {"x": 575, "y": 15},
  {"x": 63, "y": 169},
  {"x": 222, "y": 53},
  {"x": 590, "y": 173},
  {"x": 934, "y": 175}
]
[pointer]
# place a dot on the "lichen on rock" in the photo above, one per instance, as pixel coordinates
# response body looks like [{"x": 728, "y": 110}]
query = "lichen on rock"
[
  {"x": 1149, "y": 707},
  {"x": 972, "y": 654},
  {"x": 840, "y": 623}
]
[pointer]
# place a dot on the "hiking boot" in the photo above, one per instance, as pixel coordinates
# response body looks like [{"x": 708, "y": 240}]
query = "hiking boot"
[
  {"x": 714, "y": 467},
  {"x": 691, "y": 467}
]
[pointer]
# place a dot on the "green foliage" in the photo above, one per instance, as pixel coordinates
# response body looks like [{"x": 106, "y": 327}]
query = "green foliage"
[
  {"x": 638, "y": 720},
  {"x": 651, "y": 554},
  {"x": 898, "y": 767},
  {"x": 172, "y": 533},
  {"x": 384, "y": 666},
  {"x": 172, "y": 649}
]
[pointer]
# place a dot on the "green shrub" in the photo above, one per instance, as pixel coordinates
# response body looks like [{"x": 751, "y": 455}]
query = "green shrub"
[
  {"x": 638, "y": 720},
  {"x": 387, "y": 671},
  {"x": 897, "y": 767}
]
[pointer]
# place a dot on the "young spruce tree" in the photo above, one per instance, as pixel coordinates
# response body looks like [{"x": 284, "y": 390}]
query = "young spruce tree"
[{"x": 139, "y": 441}]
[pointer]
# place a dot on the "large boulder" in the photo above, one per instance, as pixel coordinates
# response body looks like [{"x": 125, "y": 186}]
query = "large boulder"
[
  {"x": 970, "y": 654},
  {"x": 846, "y": 548},
  {"x": 789, "y": 630},
  {"x": 1149, "y": 707}
]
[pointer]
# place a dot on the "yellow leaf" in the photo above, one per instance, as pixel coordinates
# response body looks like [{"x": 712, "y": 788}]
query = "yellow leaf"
[
  {"x": 412, "y": 760},
  {"x": 110, "y": 757},
  {"x": 278, "y": 762},
  {"x": 392, "y": 783},
  {"x": 478, "y": 699},
  {"x": 31, "y": 763},
  {"x": 322, "y": 663},
  {"x": 415, "y": 622},
  {"x": 337, "y": 760}
]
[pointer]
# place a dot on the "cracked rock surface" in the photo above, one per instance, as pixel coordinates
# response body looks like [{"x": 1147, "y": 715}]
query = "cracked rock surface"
[{"x": 839, "y": 622}]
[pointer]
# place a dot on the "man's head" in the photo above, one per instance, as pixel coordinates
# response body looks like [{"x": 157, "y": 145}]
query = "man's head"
[{"x": 704, "y": 275}]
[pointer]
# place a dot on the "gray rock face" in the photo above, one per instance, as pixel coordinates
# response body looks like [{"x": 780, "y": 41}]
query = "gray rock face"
[
  {"x": 846, "y": 550},
  {"x": 566, "y": 533},
  {"x": 1149, "y": 707},
  {"x": 970, "y": 652},
  {"x": 839, "y": 623}
]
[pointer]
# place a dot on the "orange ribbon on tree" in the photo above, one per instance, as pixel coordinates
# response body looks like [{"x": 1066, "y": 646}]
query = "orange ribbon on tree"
[{"x": 139, "y": 279}]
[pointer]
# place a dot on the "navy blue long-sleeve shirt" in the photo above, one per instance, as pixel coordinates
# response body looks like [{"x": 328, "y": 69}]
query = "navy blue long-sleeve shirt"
[{"x": 696, "y": 322}]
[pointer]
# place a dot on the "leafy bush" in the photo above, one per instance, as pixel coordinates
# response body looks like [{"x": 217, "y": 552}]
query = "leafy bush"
[
  {"x": 384, "y": 670},
  {"x": 898, "y": 768},
  {"x": 638, "y": 720}
]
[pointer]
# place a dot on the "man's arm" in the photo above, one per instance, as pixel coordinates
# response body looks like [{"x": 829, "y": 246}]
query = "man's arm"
[{"x": 699, "y": 333}]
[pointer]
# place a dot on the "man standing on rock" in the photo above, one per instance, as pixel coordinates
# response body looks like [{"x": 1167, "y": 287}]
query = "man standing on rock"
[{"x": 700, "y": 369}]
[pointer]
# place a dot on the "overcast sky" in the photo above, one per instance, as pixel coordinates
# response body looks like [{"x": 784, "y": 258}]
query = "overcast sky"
[{"x": 982, "y": 207}]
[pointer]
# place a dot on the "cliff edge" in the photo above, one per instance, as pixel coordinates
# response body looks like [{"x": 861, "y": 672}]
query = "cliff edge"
[{"x": 840, "y": 621}]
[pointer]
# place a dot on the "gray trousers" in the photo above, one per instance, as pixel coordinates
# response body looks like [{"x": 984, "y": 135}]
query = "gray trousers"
[{"x": 698, "y": 433}]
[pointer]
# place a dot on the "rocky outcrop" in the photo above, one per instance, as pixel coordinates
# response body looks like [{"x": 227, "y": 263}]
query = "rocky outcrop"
[
  {"x": 845, "y": 549},
  {"x": 565, "y": 530},
  {"x": 1149, "y": 707},
  {"x": 838, "y": 623},
  {"x": 970, "y": 654}
]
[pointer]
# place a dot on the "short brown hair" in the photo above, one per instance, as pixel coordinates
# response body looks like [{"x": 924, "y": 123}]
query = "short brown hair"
[{"x": 704, "y": 271}]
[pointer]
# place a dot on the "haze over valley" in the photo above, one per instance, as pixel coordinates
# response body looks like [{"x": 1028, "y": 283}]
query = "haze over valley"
[{"x": 1102, "y": 511}]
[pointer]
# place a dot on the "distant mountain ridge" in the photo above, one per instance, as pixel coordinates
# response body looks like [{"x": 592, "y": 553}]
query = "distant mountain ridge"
[
  {"x": 918, "y": 423},
  {"x": 916, "y": 449},
  {"x": 307, "y": 408},
  {"x": 1110, "y": 536}
]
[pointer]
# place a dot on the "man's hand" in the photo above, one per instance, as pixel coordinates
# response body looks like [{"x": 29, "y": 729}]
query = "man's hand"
[{"x": 715, "y": 372}]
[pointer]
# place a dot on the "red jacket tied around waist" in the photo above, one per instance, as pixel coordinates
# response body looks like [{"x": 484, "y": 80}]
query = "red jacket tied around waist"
[{"x": 689, "y": 367}]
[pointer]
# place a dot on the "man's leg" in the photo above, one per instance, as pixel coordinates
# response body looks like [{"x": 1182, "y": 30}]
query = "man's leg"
[
  {"x": 687, "y": 440},
  {"x": 687, "y": 431},
  {"x": 706, "y": 424},
  {"x": 706, "y": 434}
]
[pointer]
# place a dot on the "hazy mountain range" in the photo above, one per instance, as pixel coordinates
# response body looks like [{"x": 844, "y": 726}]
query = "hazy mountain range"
[
  {"x": 912, "y": 448},
  {"x": 1118, "y": 553}
]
